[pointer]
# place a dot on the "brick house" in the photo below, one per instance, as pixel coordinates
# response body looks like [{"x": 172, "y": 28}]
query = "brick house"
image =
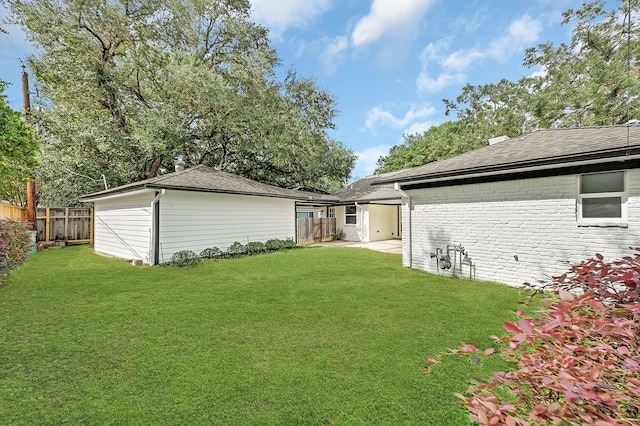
[{"x": 523, "y": 209}]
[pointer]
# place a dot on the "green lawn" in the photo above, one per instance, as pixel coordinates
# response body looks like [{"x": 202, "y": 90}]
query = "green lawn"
[{"x": 316, "y": 336}]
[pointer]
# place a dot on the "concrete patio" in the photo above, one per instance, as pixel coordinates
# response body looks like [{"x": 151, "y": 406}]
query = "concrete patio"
[{"x": 386, "y": 246}]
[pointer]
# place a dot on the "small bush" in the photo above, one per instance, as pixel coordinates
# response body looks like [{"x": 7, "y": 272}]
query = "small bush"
[
  {"x": 339, "y": 234},
  {"x": 211, "y": 253},
  {"x": 612, "y": 282},
  {"x": 256, "y": 247},
  {"x": 237, "y": 248},
  {"x": 578, "y": 360},
  {"x": 184, "y": 258},
  {"x": 275, "y": 244},
  {"x": 14, "y": 245},
  {"x": 289, "y": 243}
]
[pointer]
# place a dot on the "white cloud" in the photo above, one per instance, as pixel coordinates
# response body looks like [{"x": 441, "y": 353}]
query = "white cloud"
[
  {"x": 427, "y": 84},
  {"x": 432, "y": 55},
  {"x": 522, "y": 33},
  {"x": 418, "y": 128},
  {"x": 393, "y": 18},
  {"x": 378, "y": 116},
  {"x": 333, "y": 53},
  {"x": 280, "y": 15},
  {"x": 367, "y": 159}
]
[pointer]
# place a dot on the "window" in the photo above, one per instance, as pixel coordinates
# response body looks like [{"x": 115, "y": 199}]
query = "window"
[
  {"x": 332, "y": 212},
  {"x": 350, "y": 215},
  {"x": 602, "y": 199},
  {"x": 304, "y": 215}
]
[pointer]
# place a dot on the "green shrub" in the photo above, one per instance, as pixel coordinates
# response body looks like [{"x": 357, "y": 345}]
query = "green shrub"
[
  {"x": 14, "y": 245},
  {"x": 275, "y": 244},
  {"x": 256, "y": 247},
  {"x": 237, "y": 248},
  {"x": 339, "y": 234},
  {"x": 185, "y": 258},
  {"x": 289, "y": 243},
  {"x": 211, "y": 252}
]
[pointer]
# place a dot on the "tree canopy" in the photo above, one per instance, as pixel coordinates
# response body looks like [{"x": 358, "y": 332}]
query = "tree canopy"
[
  {"x": 593, "y": 80},
  {"x": 18, "y": 147},
  {"x": 128, "y": 86}
]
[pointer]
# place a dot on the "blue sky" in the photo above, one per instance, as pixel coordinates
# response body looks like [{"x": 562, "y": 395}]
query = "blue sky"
[{"x": 388, "y": 63}]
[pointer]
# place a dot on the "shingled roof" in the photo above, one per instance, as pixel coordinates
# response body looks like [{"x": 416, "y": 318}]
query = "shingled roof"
[
  {"x": 541, "y": 149},
  {"x": 206, "y": 179},
  {"x": 365, "y": 190}
]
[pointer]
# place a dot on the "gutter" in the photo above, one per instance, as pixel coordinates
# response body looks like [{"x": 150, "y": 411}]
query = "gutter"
[
  {"x": 403, "y": 194},
  {"x": 417, "y": 181},
  {"x": 112, "y": 196}
]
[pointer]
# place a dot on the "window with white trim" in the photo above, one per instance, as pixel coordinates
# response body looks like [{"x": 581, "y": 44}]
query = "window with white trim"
[
  {"x": 332, "y": 212},
  {"x": 602, "y": 199},
  {"x": 350, "y": 215}
]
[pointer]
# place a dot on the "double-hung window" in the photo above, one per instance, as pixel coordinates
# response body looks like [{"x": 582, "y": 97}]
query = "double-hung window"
[
  {"x": 350, "y": 215},
  {"x": 602, "y": 199}
]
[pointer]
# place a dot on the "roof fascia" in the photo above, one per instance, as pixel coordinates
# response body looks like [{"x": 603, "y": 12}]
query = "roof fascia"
[
  {"x": 120, "y": 194},
  {"x": 566, "y": 169},
  {"x": 511, "y": 170}
]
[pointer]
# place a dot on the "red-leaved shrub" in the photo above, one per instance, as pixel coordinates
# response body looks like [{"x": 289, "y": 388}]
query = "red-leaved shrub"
[
  {"x": 614, "y": 282},
  {"x": 577, "y": 362},
  {"x": 14, "y": 245}
]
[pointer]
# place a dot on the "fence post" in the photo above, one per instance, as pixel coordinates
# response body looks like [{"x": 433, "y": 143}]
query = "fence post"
[{"x": 47, "y": 228}]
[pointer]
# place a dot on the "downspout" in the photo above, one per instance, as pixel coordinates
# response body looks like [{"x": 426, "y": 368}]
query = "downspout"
[
  {"x": 359, "y": 223},
  {"x": 154, "y": 247},
  {"x": 403, "y": 194}
]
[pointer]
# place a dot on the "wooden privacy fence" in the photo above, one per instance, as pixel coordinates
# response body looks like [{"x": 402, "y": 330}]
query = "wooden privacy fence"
[
  {"x": 72, "y": 225},
  {"x": 8, "y": 211},
  {"x": 314, "y": 230}
]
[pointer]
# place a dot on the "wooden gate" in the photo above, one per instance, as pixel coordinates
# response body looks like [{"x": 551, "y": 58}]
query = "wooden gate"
[{"x": 315, "y": 230}]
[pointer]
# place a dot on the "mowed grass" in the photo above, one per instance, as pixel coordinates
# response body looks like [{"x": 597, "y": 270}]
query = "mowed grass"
[{"x": 316, "y": 336}]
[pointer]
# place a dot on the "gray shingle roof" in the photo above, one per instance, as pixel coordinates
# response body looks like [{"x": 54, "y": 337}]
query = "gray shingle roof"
[
  {"x": 205, "y": 179},
  {"x": 554, "y": 147},
  {"x": 365, "y": 190}
]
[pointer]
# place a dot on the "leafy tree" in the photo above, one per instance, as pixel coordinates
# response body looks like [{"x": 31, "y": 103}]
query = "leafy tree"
[
  {"x": 18, "y": 148},
  {"x": 437, "y": 143},
  {"x": 594, "y": 80},
  {"x": 128, "y": 86}
]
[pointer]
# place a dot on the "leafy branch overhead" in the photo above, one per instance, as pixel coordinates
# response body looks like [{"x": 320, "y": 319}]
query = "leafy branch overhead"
[
  {"x": 126, "y": 87},
  {"x": 18, "y": 147},
  {"x": 593, "y": 80}
]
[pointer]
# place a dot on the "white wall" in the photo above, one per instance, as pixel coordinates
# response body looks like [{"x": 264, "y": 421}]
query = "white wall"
[
  {"x": 196, "y": 220},
  {"x": 358, "y": 231},
  {"x": 533, "y": 219},
  {"x": 383, "y": 222},
  {"x": 122, "y": 226}
]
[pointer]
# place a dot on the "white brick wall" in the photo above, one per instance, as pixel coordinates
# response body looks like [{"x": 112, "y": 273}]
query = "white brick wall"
[{"x": 533, "y": 219}]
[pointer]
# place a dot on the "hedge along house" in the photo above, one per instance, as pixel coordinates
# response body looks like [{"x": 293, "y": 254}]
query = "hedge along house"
[
  {"x": 192, "y": 209},
  {"x": 523, "y": 209}
]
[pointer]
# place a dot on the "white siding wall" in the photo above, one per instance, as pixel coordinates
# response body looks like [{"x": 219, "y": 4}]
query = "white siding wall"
[
  {"x": 123, "y": 226},
  {"x": 383, "y": 222},
  {"x": 533, "y": 219},
  {"x": 357, "y": 232},
  {"x": 195, "y": 220}
]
